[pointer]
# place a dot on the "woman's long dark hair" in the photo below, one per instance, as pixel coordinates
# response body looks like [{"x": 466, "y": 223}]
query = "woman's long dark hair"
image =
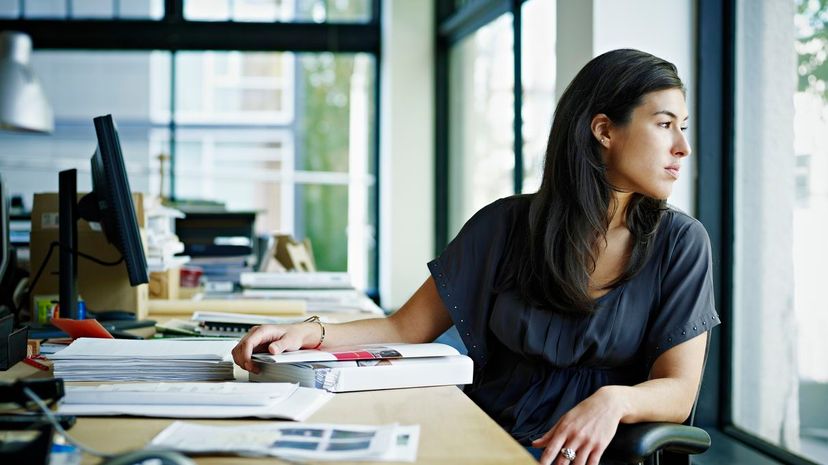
[{"x": 568, "y": 217}]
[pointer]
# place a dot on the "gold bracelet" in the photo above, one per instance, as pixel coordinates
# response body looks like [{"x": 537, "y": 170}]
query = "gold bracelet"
[{"x": 315, "y": 319}]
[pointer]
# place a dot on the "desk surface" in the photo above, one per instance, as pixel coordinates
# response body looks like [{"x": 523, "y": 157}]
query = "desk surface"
[{"x": 452, "y": 428}]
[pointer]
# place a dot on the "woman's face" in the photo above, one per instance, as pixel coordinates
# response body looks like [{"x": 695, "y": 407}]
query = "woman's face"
[{"x": 645, "y": 155}]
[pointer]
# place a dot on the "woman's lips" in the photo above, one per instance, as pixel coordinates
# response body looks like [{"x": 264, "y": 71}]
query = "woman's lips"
[{"x": 673, "y": 170}]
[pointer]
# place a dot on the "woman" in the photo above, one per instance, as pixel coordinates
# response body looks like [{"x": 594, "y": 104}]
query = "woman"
[{"x": 586, "y": 304}]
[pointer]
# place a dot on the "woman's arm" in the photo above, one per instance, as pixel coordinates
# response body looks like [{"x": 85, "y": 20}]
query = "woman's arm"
[
  {"x": 421, "y": 319},
  {"x": 667, "y": 396}
]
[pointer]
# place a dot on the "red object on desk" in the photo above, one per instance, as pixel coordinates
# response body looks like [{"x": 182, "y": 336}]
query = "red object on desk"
[
  {"x": 81, "y": 328},
  {"x": 35, "y": 363}
]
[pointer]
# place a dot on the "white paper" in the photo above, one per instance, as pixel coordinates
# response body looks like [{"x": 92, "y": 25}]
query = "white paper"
[
  {"x": 300, "y": 405},
  {"x": 147, "y": 349},
  {"x": 293, "y": 441},
  {"x": 179, "y": 393},
  {"x": 89, "y": 359}
]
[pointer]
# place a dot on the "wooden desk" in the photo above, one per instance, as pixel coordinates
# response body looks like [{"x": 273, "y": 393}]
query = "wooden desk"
[{"x": 453, "y": 430}]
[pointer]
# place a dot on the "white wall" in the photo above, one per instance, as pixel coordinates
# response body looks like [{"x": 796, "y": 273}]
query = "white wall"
[{"x": 406, "y": 148}]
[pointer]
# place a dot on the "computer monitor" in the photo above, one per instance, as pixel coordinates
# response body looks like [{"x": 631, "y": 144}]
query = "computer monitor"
[{"x": 110, "y": 204}]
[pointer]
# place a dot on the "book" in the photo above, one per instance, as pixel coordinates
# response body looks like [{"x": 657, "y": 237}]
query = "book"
[
  {"x": 360, "y": 352},
  {"x": 297, "y": 280},
  {"x": 367, "y": 367},
  {"x": 368, "y": 375},
  {"x": 235, "y": 324}
]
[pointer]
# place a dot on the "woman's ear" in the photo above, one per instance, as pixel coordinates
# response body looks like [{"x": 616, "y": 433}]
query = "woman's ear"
[{"x": 600, "y": 127}]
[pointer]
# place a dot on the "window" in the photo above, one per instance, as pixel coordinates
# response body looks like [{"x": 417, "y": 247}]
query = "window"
[
  {"x": 538, "y": 76},
  {"x": 481, "y": 147},
  {"x": 288, "y": 133},
  {"x": 780, "y": 378}
]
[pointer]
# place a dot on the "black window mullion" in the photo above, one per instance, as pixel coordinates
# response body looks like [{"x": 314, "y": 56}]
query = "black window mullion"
[
  {"x": 172, "y": 125},
  {"x": 714, "y": 197},
  {"x": 198, "y": 35},
  {"x": 518, "y": 100},
  {"x": 173, "y": 11}
]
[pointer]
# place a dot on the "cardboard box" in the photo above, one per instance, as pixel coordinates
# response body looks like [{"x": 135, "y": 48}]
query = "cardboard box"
[
  {"x": 164, "y": 284},
  {"x": 102, "y": 287}
]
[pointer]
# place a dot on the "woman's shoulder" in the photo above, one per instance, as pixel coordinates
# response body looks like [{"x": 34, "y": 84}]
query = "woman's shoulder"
[
  {"x": 679, "y": 229},
  {"x": 503, "y": 209}
]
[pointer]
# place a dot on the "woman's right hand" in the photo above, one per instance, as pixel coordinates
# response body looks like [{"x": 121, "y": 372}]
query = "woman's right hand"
[{"x": 274, "y": 339}]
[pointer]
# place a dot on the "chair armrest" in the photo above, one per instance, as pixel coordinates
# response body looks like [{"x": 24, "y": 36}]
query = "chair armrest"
[{"x": 635, "y": 442}]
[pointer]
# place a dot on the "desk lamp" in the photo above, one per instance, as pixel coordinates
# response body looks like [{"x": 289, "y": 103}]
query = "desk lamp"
[{"x": 23, "y": 106}]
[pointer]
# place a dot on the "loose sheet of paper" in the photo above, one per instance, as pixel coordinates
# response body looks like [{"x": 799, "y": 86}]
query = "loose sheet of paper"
[{"x": 295, "y": 441}]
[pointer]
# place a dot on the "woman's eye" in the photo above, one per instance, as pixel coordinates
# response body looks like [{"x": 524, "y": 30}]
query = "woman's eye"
[
  {"x": 665, "y": 124},
  {"x": 684, "y": 129}
]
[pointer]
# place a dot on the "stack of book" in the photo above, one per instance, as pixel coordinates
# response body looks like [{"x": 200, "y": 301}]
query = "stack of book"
[
  {"x": 323, "y": 291},
  {"x": 88, "y": 359},
  {"x": 162, "y": 243},
  {"x": 367, "y": 367}
]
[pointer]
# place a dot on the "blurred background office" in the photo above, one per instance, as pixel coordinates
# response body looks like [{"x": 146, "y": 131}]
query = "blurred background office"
[{"x": 376, "y": 128}]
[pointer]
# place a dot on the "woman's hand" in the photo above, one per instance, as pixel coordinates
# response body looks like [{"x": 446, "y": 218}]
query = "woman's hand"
[
  {"x": 274, "y": 339},
  {"x": 587, "y": 429}
]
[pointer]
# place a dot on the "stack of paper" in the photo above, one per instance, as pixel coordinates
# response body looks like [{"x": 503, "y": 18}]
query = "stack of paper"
[
  {"x": 88, "y": 359},
  {"x": 194, "y": 400},
  {"x": 290, "y": 441},
  {"x": 322, "y": 300}
]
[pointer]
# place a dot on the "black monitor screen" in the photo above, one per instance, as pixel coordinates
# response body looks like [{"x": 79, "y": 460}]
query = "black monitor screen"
[{"x": 116, "y": 211}]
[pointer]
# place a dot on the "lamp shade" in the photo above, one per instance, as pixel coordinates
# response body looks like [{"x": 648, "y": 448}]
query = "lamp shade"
[{"x": 23, "y": 106}]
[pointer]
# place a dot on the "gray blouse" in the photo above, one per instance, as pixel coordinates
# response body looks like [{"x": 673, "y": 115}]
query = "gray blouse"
[{"x": 532, "y": 365}]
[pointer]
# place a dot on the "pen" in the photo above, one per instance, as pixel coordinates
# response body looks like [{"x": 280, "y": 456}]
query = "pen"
[{"x": 36, "y": 364}]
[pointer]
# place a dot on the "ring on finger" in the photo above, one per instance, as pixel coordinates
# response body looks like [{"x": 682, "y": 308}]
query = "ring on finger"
[{"x": 568, "y": 453}]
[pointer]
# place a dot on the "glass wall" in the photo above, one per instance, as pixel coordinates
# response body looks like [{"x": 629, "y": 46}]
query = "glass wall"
[{"x": 780, "y": 371}]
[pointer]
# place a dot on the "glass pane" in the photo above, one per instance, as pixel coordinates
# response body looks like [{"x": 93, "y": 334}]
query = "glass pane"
[
  {"x": 780, "y": 376},
  {"x": 481, "y": 133},
  {"x": 80, "y": 86},
  {"x": 320, "y": 217},
  {"x": 44, "y": 8},
  {"x": 99, "y": 9},
  {"x": 333, "y": 11},
  {"x": 810, "y": 215},
  {"x": 332, "y": 115},
  {"x": 317, "y": 11},
  {"x": 234, "y": 87},
  {"x": 140, "y": 9},
  {"x": 241, "y": 167},
  {"x": 310, "y": 172},
  {"x": 538, "y": 74},
  {"x": 9, "y": 8}
]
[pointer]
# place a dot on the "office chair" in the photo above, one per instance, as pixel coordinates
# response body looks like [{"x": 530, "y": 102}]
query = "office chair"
[{"x": 660, "y": 443}]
